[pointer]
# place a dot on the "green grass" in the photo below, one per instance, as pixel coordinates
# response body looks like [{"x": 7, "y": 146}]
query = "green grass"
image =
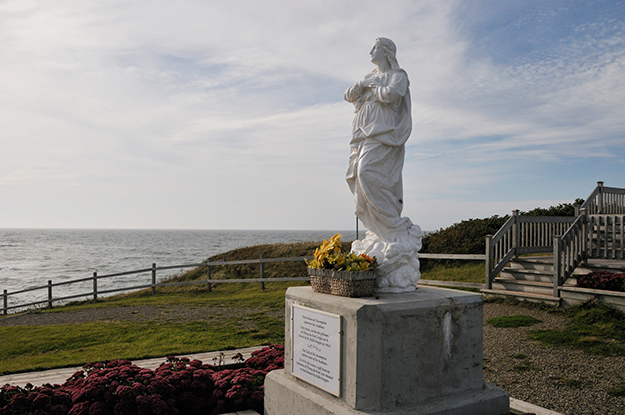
[
  {"x": 468, "y": 271},
  {"x": 618, "y": 391},
  {"x": 27, "y": 348},
  {"x": 524, "y": 366},
  {"x": 595, "y": 328},
  {"x": 572, "y": 383},
  {"x": 45, "y": 347},
  {"x": 513, "y": 321}
]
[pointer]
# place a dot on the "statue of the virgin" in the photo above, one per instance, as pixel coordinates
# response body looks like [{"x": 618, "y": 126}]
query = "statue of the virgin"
[{"x": 381, "y": 127}]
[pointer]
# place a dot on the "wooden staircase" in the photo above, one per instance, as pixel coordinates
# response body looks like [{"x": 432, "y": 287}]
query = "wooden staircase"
[
  {"x": 592, "y": 240},
  {"x": 526, "y": 278},
  {"x": 531, "y": 278}
]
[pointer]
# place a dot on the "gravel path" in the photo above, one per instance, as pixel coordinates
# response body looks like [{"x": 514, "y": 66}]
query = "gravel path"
[{"x": 561, "y": 379}]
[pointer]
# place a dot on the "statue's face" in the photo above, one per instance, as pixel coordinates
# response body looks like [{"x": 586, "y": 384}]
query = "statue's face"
[{"x": 377, "y": 53}]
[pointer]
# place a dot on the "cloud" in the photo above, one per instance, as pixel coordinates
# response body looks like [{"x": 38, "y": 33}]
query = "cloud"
[{"x": 203, "y": 114}]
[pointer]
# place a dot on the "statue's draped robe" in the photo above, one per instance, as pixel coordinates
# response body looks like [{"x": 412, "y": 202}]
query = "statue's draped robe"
[{"x": 381, "y": 127}]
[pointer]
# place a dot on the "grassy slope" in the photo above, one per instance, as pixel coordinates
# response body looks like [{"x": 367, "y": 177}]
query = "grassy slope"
[
  {"x": 41, "y": 347},
  {"x": 48, "y": 346}
]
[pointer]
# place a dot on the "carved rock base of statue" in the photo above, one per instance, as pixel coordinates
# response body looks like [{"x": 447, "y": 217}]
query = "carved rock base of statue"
[
  {"x": 393, "y": 354},
  {"x": 399, "y": 259}
]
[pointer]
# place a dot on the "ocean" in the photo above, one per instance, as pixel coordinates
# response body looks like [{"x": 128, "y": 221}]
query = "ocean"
[{"x": 32, "y": 257}]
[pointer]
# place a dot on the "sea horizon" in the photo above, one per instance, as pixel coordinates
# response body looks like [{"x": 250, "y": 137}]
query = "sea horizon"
[{"x": 33, "y": 256}]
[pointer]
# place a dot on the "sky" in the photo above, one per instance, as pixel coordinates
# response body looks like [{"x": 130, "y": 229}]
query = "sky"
[{"x": 230, "y": 114}]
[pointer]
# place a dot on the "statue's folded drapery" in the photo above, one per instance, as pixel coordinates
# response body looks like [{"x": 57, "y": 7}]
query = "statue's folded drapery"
[{"x": 381, "y": 127}]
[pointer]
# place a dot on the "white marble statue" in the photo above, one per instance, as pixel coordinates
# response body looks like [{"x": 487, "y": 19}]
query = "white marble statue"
[{"x": 381, "y": 127}]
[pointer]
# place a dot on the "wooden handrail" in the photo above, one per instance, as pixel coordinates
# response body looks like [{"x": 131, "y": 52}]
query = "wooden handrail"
[
  {"x": 569, "y": 251},
  {"x": 521, "y": 235},
  {"x": 605, "y": 200}
]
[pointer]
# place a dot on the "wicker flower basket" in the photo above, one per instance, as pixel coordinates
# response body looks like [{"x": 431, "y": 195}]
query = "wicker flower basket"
[{"x": 342, "y": 283}]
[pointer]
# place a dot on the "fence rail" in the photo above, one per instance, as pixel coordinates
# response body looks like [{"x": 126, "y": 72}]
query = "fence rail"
[{"x": 153, "y": 284}]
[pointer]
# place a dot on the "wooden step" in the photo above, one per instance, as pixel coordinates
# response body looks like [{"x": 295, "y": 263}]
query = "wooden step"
[
  {"x": 534, "y": 263},
  {"x": 511, "y": 284},
  {"x": 527, "y": 296},
  {"x": 614, "y": 265},
  {"x": 527, "y": 274}
]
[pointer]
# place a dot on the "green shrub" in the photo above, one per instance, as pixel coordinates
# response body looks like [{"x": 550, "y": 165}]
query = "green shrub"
[
  {"x": 469, "y": 236},
  {"x": 466, "y": 237},
  {"x": 595, "y": 328},
  {"x": 563, "y": 209}
]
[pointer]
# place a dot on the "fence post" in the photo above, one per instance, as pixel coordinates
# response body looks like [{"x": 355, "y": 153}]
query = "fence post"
[
  {"x": 5, "y": 302},
  {"x": 49, "y": 293},
  {"x": 585, "y": 236},
  {"x": 600, "y": 198},
  {"x": 209, "y": 288},
  {"x": 557, "y": 260},
  {"x": 153, "y": 278},
  {"x": 262, "y": 272},
  {"x": 95, "y": 286},
  {"x": 515, "y": 233},
  {"x": 489, "y": 261}
]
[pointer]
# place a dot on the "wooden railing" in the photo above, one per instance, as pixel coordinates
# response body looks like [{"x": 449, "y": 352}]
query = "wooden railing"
[
  {"x": 606, "y": 236},
  {"x": 522, "y": 235},
  {"x": 95, "y": 292},
  {"x": 500, "y": 249},
  {"x": 605, "y": 200},
  {"x": 569, "y": 250},
  {"x": 152, "y": 284},
  {"x": 597, "y": 231}
]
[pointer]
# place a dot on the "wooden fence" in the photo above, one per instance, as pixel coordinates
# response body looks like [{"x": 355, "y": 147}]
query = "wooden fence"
[{"x": 95, "y": 292}]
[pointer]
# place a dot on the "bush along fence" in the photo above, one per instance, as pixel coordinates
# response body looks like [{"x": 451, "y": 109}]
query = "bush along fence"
[{"x": 50, "y": 288}]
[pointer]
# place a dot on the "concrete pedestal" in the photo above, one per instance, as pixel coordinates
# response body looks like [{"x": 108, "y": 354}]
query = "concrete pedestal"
[{"x": 408, "y": 353}]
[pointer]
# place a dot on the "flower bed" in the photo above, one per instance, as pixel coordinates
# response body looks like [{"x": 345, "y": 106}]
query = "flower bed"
[
  {"x": 603, "y": 280},
  {"x": 178, "y": 386}
]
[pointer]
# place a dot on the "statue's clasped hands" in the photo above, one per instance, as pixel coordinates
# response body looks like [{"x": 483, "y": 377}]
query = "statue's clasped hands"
[{"x": 370, "y": 83}]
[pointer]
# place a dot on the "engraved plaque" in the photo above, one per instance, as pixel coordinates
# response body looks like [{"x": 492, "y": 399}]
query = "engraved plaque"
[{"x": 316, "y": 347}]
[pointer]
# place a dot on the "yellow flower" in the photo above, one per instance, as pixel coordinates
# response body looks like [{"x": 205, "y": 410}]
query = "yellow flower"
[{"x": 329, "y": 256}]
